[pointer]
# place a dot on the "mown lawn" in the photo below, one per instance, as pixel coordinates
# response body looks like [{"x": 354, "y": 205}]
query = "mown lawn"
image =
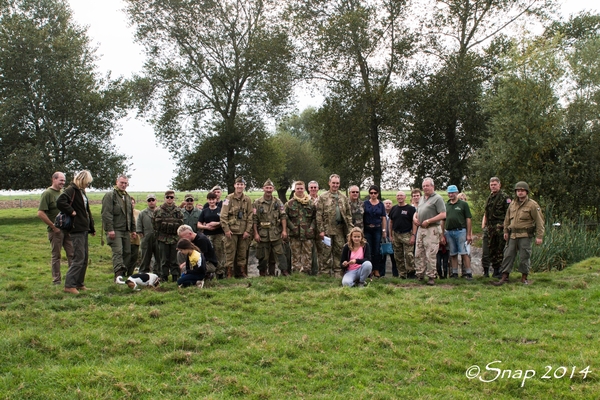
[{"x": 298, "y": 337}]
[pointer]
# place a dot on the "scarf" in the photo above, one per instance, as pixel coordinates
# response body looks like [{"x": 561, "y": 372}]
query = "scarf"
[
  {"x": 304, "y": 200},
  {"x": 121, "y": 192}
]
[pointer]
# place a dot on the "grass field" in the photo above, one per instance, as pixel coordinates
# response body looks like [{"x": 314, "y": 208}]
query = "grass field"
[{"x": 297, "y": 337}]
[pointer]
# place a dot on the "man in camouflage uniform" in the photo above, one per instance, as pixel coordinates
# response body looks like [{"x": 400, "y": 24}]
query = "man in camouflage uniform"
[
  {"x": 270, "y": 228},
  {"x": 492, "y": 225},
  {"x": 302, "y": 225},
  {"x": 236, "y": 221},
  {"x": 335, "y": 221},
  {"x": 145, "y": 229},
  {"x": 313, "y": 191},
  {"x": 357, "y": 207},
  {"x": 523, "y": 221},
  {"x": 167, "y": 219},
  {"x": 119, "y": 224},
  {"x": 190, "y": 212}
]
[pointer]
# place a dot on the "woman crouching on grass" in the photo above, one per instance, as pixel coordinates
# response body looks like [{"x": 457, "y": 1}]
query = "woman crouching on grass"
[
  {"x": 193, "y": 270},
  {"x": 356, "y": 259}
]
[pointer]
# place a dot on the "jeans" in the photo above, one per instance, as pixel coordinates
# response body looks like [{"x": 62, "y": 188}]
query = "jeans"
[
  {"x": 189, "y": 280},
  {"x": 373, "y": 237},
  {"x": 456, "y": 241},
  {"x": 361, "y": 273}
]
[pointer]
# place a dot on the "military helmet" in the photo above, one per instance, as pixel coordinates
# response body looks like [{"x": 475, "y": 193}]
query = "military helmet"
[{"x": 522, "y": 185}]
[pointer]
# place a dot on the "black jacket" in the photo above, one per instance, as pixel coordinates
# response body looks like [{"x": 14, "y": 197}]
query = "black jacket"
[
  {"x": 196, "y": 270},
  {"x": 83, "y": 219},
  {"x": 206, "y": 248},
  {"x": 346, "y": 255}
]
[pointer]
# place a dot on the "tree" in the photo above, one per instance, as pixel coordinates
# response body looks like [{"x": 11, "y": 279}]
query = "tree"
[
  {"x": 358, "y": 48},
  {"x": 210, "y": 63},
  {"x": 544, "y": 125},
  {"x": 56, "y": 114},
  {"x": 203, "y": 164},
  {"x": 456, "y": 33},
  {"x": 300, "y": 159},
  {"x": 444, "y": 123}
]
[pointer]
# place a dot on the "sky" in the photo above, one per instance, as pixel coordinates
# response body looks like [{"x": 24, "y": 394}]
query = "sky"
[{"x": 153, "y": 167}]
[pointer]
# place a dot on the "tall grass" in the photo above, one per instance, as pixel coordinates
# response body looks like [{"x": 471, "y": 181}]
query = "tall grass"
[{"x": 565, "y": 245}]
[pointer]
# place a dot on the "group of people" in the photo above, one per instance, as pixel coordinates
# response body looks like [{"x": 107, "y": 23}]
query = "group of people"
[{"x": 327, "y": 234}]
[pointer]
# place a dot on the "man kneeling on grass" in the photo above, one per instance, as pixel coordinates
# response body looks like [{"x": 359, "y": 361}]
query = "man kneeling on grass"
[
  {"x": 356, "y": 259},
  {"x": 193, "y": 270}
]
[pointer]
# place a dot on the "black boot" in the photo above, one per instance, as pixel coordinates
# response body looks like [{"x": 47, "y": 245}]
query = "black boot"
[
  {"x": 497, "y": 273},
  {"x": 486, "y": 272},
  {"x": 174, "y": 277}
]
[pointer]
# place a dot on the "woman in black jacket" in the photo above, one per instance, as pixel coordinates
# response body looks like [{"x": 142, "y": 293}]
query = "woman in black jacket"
[
  {"x": 74, "y": 202},
  {"x": 356, "y": 259}
]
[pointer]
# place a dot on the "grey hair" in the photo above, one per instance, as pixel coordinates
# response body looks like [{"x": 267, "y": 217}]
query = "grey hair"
[{"x": 184, "y": 228}]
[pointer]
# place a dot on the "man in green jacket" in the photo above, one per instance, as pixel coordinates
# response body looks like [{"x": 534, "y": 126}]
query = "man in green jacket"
[{"x": 119, "y": 224}]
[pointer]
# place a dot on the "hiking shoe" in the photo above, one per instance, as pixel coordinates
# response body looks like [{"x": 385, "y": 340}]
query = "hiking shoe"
[
  {"x": 454, "y": 275},
  {"x": 468, "y": 277},
  {"x": 431, "y": 282}
]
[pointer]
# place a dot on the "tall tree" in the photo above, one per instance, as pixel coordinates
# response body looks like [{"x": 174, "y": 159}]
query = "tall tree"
[
  {"x": 55, "y": 112},
  {"x": 208, "y": 63},
  {"x": 358, "y": 48},
  {"x": 456, "y": 33},
  {"x": 545, "y": 119},
  {"x": 300, "y": 159}
]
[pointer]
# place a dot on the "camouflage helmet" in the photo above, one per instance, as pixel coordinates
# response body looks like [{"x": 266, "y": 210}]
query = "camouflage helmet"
[{"x": 522, "y": 185}]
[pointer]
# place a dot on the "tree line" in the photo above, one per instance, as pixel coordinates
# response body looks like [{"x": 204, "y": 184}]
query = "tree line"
[{"x": 458, "y": 90}]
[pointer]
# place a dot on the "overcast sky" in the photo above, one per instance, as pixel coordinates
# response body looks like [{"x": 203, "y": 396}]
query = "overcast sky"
[{"x": 153, "y": 167}]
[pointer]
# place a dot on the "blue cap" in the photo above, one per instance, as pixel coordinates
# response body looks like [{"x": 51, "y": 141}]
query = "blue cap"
[{"x": 452, "y": 189}]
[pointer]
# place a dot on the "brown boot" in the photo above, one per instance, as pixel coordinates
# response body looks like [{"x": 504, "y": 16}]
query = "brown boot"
[
  {"x": 262, "y": 272},
  {"x": 502, "y": 281},
  {"x": 71, "y": 290},
  {"x": 229, "y": 273},
  {"x": 430, "y": 281},
  {"x": 245, "y": 271},
  {"x": 524, "y": 280},
  {"x": 285, "y": 272}
]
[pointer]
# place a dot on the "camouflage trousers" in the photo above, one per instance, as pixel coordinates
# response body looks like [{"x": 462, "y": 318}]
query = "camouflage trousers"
[
  {"x": 329, "y": 262},
  {"x": 493, "y": 246},
  {"x": 301, "y": 255},
  {"x": 316, "y": 256},
  {"x": 265, "y": 249},
  {"x": 428, "y": 243},
  {"x": 403, "y": 253},
  {"x": 218, "y": 242},
  {"x": 236, "y": 254}
]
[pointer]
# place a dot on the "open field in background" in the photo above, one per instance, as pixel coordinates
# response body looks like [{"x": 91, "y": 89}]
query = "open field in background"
[{"x": 298, "y": 337}]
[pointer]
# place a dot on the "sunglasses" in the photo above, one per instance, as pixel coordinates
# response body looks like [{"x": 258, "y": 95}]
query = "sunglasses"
[
  {"x": 189, "y": 200},
  {"x": 169, "y": 197},
  {"x": 149, "y": 200},
  {"x": 354, "y": 191},
  {"x": 372, "y": 192}
]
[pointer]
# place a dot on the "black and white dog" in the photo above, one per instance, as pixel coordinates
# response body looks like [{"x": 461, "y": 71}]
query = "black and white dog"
[{"x": 136, "y": 280}]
